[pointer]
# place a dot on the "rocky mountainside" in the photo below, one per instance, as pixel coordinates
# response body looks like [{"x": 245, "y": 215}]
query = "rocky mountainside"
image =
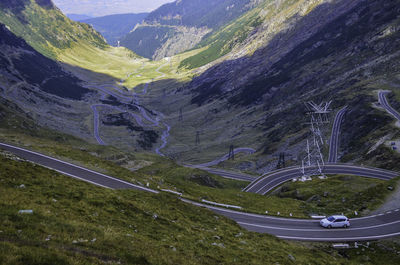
[
  {"x": 305, "y": 50},
  {"x": 114, "y": 27},
  {"x": 181, "y": 25}
]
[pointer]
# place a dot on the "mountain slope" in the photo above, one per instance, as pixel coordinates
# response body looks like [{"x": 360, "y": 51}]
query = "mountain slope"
[
  {"x": 114, "y": 27},
  {"x": 254, "y": 96},
  {"x": 20, "y": 63},
  {"x": 37, "y": 85},
  {"x": 45, "y": 28},
  {"x": 179, "y": 26}
]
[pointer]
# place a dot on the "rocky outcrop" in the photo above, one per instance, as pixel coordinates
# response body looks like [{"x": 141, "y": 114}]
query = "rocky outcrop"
[
  {"x": 181, "y": 25},
  {"x": 184, "y": 39}
]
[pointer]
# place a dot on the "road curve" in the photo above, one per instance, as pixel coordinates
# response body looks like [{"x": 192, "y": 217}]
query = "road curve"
[
  {"x": 385, "y": 104},
  {"x": 268, "y": 182},
  {"x": 362, "y": 229},
  {"x": 334, "y": 141},
  {"x": 365, "y": 228},
  {"x": 128, "y": 97}
]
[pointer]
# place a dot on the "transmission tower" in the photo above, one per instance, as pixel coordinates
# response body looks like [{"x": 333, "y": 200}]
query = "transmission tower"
[{"x": 313, "y": 162}]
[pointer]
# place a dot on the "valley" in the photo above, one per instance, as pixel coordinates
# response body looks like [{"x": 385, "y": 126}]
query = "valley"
[{"x": 212, "y": 135}]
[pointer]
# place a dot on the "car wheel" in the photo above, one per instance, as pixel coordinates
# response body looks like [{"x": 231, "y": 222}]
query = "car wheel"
[
  {"x": 329, "y": 226},
  {"x": 345, "y": 226}
]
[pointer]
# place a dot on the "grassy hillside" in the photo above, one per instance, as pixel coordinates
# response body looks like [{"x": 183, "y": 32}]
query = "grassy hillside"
[
  {"x": 250, "y": 31},
  {"x": 45, "y": 28},
  {"x": 78, "y": 223},
  {"x": 74, "y": 222}
]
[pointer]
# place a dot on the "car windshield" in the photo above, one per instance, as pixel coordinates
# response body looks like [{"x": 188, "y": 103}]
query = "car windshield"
[{"x": 330, "y": 218}]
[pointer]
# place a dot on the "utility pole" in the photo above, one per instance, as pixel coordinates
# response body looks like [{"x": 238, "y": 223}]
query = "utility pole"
[
  {"x": 197, "y": 137},
  {"x": 282, "y": 160},
  {"x": 231, "y": 153},
  {"x": 180, "y": 115}
]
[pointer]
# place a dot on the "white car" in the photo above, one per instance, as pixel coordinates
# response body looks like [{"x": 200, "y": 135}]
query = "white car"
[{"x": 335, "y": 221}]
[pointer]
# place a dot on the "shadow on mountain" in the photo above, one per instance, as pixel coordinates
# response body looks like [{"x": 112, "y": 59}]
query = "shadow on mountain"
[
  {"x": 320, "y": 49},
  {"x": 22, "y": 63}
]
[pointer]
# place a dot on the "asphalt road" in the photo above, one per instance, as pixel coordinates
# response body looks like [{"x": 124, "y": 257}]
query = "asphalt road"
[
  {"x": 385, "y": 104},
  {"x": 268, "y": 182},
  {"x": 334, "y": 141},
  {"x": 73, "y": 170},
  {"x": 366, "y": 228},
  {"x": 362, "y": 229}
]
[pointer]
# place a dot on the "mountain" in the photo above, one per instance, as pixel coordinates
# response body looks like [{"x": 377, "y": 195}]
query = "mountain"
[
  {"x": 114, "y": 27},
  {"x": 181, "y": 25},
  {"x": 78, "y": 17},
  {"x": 40, "y": 86},
  {"x": 45, "y": 28},
  {"x": 23, "y": 66},
  {"x": 255, "y": 94},
  {"x": 100, "y": 8}
]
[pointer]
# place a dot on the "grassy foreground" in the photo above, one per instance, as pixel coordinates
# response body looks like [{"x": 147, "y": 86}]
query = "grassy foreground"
[
  {"x": 78, "y": 223},
  {"x": 74, "y": 222}
]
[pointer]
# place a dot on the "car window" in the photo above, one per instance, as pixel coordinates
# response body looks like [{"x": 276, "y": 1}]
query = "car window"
[
  {"x": 339, "y": 220},
  {"x": 330, "y": 218}
]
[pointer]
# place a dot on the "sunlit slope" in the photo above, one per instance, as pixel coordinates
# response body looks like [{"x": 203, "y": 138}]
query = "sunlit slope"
[
  {"x": 79, "y": 46},
  {"x": 45, "y": 28},
  {"x": 252, "y": 30}
]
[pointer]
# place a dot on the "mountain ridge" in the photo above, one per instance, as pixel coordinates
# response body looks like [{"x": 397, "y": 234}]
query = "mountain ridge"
[
  {"x": 114, "y": 27},
  {"x": 181, "y": 25}
]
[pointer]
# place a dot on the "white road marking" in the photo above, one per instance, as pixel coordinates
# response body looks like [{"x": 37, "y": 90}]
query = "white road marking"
[{"x": 66, "y": 163}]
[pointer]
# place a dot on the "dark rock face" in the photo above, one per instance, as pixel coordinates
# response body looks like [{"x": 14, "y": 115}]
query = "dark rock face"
[
  {"x": 14, "y": 4},
  {"x": 146, "y": 138},
  {"x": 45, "y": 3},
  {"x": 35, "y": 69},
  {"x": 255, "y": 79}
]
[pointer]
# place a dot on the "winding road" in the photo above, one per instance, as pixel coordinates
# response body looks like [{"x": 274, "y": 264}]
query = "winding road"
[
  {"x": 385, "y": 104},
  {"x": 127, "y": 97},
  {"x": 334, "y": 141},
  {"x": 270, "y": 181},
  {"x": 362, "y": 229}
]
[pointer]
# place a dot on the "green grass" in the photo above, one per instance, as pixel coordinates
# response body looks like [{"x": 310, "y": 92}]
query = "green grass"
[
  {"x": 223, "y": 41},
  {"x": 195, "y": 184},
  {"x": 48, "y": 30},
  {"x": 338, "y": 194},
  {"x": 78, "y": 223}
]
